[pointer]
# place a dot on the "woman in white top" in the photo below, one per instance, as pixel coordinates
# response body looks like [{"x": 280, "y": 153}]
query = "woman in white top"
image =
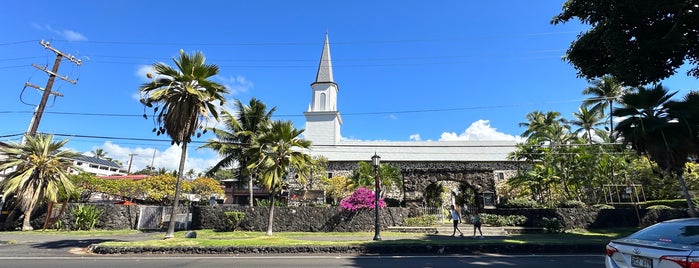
[{"x": 457, "y": 219}]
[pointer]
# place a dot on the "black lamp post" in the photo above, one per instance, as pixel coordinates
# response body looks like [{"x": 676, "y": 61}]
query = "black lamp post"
[{"x": 376, "y": 160}]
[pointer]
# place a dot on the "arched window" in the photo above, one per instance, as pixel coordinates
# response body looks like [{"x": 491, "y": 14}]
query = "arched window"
[{"x": 322, "y": 101}]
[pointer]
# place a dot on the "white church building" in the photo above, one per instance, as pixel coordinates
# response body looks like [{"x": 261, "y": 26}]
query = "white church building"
[{"x": 480, "y": 164}]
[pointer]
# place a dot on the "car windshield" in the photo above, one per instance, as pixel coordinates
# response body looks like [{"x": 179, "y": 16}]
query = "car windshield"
[{"x": 686, "y": 233}]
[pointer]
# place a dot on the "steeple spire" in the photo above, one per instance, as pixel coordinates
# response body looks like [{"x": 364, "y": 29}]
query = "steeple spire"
[{"x": 325, "y": 69}]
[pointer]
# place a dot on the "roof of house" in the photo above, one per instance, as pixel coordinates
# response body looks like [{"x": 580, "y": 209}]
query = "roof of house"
[{"x": 95, "y": 160}]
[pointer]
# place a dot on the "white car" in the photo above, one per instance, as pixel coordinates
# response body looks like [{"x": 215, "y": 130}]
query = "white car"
[{"x": 669, "y": 244}]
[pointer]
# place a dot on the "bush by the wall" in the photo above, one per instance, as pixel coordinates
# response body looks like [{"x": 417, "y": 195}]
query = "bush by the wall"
[
  {"x": 86, "y": 216},
  {"x": 571, "y": 204},
  {"x": 232, "y": 219},
  {"x": 500, "y": 220},
  {"x": 672, "y": 203},
  {"x": 424, "y": 220},
  {"x": 551, "y": 225},
  {"x": 602, "y": 206},
  {"x": 519, "y": 203}
]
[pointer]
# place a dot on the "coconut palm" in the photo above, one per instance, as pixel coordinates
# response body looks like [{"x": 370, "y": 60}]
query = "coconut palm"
[
  {"x": 40, "y": 171},
  {"x": 663, "y": 130},
  {"x": 99, "y": 153},
  {"x": 277, "y": 150},
  {"x": 540, "y": 123},
  {"x": 605, "y": 91},
  {"x": 240, "y": 132},
  {"x": 586, "y": 120},
  {"x": 183, "y": 99}
]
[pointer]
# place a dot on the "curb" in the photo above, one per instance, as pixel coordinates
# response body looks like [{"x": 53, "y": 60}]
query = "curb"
[{"x": 369, "y": 249}]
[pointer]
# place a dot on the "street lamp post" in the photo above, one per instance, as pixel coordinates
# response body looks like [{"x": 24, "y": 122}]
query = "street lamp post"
[{"x": 376, "y": 160}]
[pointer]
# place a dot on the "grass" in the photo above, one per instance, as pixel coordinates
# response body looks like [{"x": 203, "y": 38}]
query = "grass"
[
  {"x": 209, "y": 238},
  {"x": 76, "y": 233}
]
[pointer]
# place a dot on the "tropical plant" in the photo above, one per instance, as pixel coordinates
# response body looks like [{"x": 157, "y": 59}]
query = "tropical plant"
[
  {"x": 184, "y": 99},
  {"x": 39, "y": 170},
  {"x": 86, "y": 216},
  {"x": 277, "y": 150},
  {"x": 241, "y": 131},
  {"x": 361, "y": 198},
  {"x": 586, "y": 120},
  {"x": 663, "y": 130},
  {"x": 604, "y": 91},
  {"x": 233, "y": 219},
  {"x": 99, "y": 153},
  {"x": 337, "y": 187},
  {"x": 364, "y": 175}
]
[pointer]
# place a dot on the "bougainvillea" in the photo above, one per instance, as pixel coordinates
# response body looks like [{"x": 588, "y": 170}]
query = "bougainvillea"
[{"x": 361, "y": 198}]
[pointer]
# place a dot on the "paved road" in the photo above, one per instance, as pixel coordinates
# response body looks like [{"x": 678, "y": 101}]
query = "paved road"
[{"x": 529, "y": 261}]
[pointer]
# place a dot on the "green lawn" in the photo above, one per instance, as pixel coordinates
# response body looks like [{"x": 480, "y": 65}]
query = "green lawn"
[{"x": 209, "y": 238}]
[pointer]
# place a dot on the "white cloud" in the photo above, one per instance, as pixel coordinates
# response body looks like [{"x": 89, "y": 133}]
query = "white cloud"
[
  {"x": 415, "y": 137},
  {"x": 478, "y": 131},
  {"x": 168, "y": 159},
  {"x": 69, "y": 35},
  {"x": 236, "y": 84}
]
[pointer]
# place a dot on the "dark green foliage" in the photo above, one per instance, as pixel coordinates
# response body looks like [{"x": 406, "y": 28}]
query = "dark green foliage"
[
  {"x": 265, "y": 203},
  {"x": 551, "y": 225},
  {"x": 500, "y": 220},
  {"x": 659, "y": 207},
  {"x": 424, "y": 220},
  {"x": 603, "y": 206},
  {"x": 233, "y": 219},
  {"x": 519, "y": 203},
  {"x": 571, "y": 204},
  {"x": 673, "y": 203}
]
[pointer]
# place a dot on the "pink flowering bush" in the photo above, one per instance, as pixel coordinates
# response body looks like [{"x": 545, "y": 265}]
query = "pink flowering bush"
[{"x": 361, "y": 198}]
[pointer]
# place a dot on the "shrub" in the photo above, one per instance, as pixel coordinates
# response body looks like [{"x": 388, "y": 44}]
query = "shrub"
[
  {"x": 571, "y": 204},
  {"x": 551, "y": 225},
  {"x": 673, "y": 203},
  {"x": 424, "y": 220},
  {"x": 86, "y": 216},
  {"x": 361, "y": 198},
  {"x": 519, "y": 203},
  {"x": 602, "y": 206},
  {"x": 233, "y": 219},
  {"x": 500, "y": 220},
  {"x": 265, "y": 203}
]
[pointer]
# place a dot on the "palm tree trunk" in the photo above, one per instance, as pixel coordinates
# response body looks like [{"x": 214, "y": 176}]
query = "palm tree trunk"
[
  {"x": 250, "y": 189},
  {"x": 171, "y": 226},
  {"x": 26, "y": 223},
  {"x": 690, "y": 205},
  {"x": 270, "y": 220}
]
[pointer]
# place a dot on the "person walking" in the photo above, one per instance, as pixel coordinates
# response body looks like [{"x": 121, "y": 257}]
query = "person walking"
[
  {"x": 476, "y": 219},
  {"x": 456, "y": 218}
]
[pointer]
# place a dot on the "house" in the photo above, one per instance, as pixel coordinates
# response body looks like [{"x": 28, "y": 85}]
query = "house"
[{"x": 96, "y": 166}]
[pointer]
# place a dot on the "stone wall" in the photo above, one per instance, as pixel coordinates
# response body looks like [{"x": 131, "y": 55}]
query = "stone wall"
[
  {"x": 593, "y": 217},
  {"x": 300, "y": 219},
  {"x": 316, "y": 219}
]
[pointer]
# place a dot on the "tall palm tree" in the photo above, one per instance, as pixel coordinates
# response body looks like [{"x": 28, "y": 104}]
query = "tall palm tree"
[
  {"x": 239, "y": 134},
  {"x": 40, "y": 172},
  {"x": 183, "y": 98},
  {"x": 539, "y": 123},
  {"x": 605, "y": 91},
  {"x": 586, "y": 120},
  {"x": 663, "y": 130},
  {"x": 278, "y": 149}
]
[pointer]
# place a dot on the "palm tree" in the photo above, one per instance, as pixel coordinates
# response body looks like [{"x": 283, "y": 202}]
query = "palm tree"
[
  {"x": 239, "y": 134},
  {"x": 539, "y": 123},
  {"x": 183, "y": 98},
  {"x": 586, "y": 120},
  {"x": 40, "y": 172},
  {"x": 363, "y": 175},
  {"x": 663, "y": 130},
  {"x": 273, "y": 154},
  {"x": 99, "y": 153},
  {"x": 605, "y": 91}
]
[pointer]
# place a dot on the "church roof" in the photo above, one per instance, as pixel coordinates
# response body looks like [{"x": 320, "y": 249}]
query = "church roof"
[
  {"x": 325, "y": 69},
  {"x": 465, "y": 151}
]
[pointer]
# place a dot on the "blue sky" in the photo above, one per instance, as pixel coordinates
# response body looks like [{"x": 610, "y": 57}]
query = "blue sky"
[{"x": 407, "y": 70}]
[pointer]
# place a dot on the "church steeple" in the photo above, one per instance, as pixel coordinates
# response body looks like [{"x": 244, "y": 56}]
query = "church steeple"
[
  {"x": 322, "y": 118},
  {"x": 325, "y": 69}
]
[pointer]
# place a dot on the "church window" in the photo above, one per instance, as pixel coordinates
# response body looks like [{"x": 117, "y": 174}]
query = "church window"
[{"x": 322, "y": 101}]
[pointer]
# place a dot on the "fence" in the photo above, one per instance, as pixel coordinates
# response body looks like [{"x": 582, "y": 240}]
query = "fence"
[
  {"x": 434, "y": 211},
  {"x": 157, "y": 217}
]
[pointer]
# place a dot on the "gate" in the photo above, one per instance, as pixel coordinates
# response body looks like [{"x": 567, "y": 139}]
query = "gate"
[{"x": 157, "y": 217}]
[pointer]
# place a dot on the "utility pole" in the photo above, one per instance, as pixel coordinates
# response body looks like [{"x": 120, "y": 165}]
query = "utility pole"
[
  {"x": 128, "y": 171},
  {"x": 53, "y": 73}
]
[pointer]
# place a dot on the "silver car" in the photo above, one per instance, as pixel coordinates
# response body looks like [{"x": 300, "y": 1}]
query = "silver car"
[{"x": 669, "y": 244}]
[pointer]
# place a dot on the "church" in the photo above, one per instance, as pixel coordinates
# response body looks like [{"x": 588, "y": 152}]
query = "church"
[{"x": 478, "y": 164}]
